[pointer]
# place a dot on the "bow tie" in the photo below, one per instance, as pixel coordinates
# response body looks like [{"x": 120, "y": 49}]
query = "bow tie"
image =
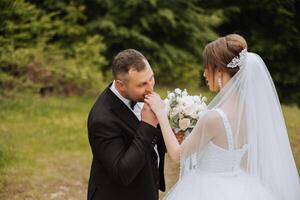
[{"x": 132, "y": 104}]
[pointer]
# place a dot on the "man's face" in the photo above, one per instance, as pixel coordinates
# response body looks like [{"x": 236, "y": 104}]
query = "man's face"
[{"x": 138, "y": 84}]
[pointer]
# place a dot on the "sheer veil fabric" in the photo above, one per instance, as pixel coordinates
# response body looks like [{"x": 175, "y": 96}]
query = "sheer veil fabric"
[{"x": 250, "y": 102}]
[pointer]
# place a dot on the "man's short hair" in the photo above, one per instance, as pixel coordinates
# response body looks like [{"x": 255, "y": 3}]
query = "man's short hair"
[{"x": 126, "y": 60}]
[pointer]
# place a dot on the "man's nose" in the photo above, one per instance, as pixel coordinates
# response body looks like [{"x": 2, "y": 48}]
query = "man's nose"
[{"x": 149, "y": 87}]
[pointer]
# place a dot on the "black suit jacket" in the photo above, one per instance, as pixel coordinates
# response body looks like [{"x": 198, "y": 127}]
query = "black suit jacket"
[{"x": 124, "y": 164}]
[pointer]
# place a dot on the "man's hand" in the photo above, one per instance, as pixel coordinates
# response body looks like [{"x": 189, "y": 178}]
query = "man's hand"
[{"x": 148, "y": 115}]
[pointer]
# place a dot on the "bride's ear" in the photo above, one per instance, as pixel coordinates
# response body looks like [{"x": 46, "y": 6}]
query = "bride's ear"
[{"x": 219, "y": 72}]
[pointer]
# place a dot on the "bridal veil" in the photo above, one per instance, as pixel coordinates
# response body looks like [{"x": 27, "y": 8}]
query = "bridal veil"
[{"x": 251, "y": 104}]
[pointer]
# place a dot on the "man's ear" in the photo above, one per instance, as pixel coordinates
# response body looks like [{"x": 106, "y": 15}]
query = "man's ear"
[{"x": 120, "y": 85}]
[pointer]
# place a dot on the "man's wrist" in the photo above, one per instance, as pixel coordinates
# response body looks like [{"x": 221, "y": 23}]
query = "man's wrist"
[{"x": 148, "y": 133}]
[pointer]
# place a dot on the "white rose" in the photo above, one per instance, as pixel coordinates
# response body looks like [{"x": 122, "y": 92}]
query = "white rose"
[
  {"x": 188, "y": 100},
  {"x": 196, "y": 99},
  {"x": 177, "y": 90},
  {"x": 184, "y": 123},
  {"x": 184, "y": 93},
  {"x": 188, "y": 110},
  {"x": 174, "y": 111},
  {"x": 171, "y": 95}
]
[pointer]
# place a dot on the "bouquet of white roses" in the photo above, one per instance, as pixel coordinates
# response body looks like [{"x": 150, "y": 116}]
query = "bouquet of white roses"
[{"x": 184, "y": 110}]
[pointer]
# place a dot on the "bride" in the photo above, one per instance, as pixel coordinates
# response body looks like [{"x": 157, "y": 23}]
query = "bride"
[{"x": 239, "y": 148}]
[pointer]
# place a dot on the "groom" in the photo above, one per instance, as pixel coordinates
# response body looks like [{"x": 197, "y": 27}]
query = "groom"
[{"x": 127, "y": 146}]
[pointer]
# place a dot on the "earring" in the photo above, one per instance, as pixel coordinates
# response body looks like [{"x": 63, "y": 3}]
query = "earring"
[{"x": 220, "y": 83}]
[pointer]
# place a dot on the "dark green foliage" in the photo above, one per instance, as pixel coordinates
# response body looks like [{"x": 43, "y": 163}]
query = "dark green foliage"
[
  {"x": 171, "y": 34},
  {"x": 272, "y": 29},
  {"x": 48, "y": 52},
  {"x": 66, "y": 46}
]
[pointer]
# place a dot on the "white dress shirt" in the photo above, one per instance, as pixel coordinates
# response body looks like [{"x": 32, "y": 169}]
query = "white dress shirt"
[{"x": 136, "y": 109}]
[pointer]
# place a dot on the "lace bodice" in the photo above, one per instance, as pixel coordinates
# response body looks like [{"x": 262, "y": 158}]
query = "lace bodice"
[{"x": 214, "y": 158}]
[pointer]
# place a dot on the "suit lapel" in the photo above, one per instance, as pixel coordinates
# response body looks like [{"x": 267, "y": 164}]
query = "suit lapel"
[
  {"x": 126, "y": 116},
  {"x": 122, "y": 111}
]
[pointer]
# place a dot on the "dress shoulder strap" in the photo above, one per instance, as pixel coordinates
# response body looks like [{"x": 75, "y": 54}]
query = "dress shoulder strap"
[{"x": 228, "y": 129}]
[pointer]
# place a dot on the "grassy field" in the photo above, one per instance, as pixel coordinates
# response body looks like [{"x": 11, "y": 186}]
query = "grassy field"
[{"x": 44, "y": 151}]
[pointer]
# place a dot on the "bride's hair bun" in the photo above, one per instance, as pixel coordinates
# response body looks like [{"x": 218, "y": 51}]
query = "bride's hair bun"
[{"x": 218, "y": 53}]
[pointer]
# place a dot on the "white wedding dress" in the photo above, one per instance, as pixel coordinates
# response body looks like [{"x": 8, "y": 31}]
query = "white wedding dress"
[
  {"x": 249, "y": 157},
  {"x": 218, "y": 175}
]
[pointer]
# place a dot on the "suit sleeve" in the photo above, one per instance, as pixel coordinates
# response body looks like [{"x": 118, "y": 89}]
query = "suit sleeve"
[{"x": 123, "y": 162}]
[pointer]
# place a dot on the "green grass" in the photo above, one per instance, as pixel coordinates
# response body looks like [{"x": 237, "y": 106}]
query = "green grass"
[
  {"x": 292, "y": 119},
  {"x": 44, "y": 151},
  {"x": 43, "y": 147}
]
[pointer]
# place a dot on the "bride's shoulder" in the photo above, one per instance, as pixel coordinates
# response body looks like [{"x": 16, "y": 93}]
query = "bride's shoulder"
[
  {"x": 211, "y": 115},
  {"x": 211, "y": 118},
  {"x": 210, "y": 122}
]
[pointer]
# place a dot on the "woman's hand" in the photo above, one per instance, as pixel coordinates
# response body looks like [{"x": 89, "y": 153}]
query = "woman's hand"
[
  {"x": 156, "y": 103},
  {"x": 148, "y": 116}
]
